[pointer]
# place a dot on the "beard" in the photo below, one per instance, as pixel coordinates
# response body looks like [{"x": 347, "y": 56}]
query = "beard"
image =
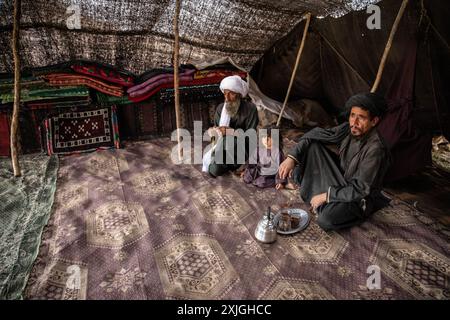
[{"x": 232, "y": 107}]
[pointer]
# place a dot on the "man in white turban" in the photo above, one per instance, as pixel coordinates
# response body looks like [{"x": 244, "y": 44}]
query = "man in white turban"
[{"x": 235, "y": 113}]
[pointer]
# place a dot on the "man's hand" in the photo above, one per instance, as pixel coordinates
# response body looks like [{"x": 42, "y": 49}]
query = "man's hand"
[
  {"x": 286, "y": 168},
  {"x": 222, "y": 130},
  {"x": 218, "y": 131},
  {"x": 213, "y": 131},
  {"x": 318, "y": 200},
  {"x": 226, "y": 131},
  {"x": 229, "y": 131}
]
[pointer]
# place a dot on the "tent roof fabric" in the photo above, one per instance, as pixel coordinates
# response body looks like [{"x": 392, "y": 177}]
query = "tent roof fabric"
[{"x": 138, "y": 35}]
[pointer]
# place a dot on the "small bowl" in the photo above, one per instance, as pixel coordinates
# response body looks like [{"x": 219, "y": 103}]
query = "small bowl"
[{"x": 289, "y": 221}]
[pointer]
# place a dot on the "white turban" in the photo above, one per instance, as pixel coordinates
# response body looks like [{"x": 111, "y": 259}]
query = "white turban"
[{"x": 235, "y": 84}]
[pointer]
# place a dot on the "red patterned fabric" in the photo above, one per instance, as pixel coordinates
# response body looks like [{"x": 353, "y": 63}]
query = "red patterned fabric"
[
  {"x": 218, "y": 73},
  {"x": 105, "y": 74},
  {"x": 166, "y": 80},
  {"x": 195, "y": 82},
  {"x": 65, "y": 79},
  {"x": 4, "y": 135},
  {"x": 153, "y": 82},
  {"x": 82, "y": 131}
]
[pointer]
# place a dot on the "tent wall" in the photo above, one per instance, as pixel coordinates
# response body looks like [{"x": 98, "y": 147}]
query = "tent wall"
[{"x": 324, "y": 75}]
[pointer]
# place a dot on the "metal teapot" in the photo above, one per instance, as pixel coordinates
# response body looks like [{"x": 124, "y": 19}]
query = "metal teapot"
[{"x": 266, "y": 230}]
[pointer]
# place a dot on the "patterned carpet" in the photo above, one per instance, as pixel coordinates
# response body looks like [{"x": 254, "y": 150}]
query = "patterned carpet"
[{"x": 128, "y": 224}]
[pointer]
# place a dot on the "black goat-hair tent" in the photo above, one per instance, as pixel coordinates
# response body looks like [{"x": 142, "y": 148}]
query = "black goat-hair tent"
[
  {"x": 341, "y": 54},
  {"x": 131, "y": 224}
]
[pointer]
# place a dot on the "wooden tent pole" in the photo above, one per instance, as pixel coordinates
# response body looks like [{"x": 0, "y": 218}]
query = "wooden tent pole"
[
  {"x": 299, "y": 53},
  {"x": 176, "y": 76},
  {"x": 15, "y": 116},
  {"x": 388, "y": 45}
]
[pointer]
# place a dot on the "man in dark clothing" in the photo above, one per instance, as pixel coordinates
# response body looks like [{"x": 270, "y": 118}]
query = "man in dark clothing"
[
  {"x": 344, "y": 191},
  {"x": 234, "y": 114}
]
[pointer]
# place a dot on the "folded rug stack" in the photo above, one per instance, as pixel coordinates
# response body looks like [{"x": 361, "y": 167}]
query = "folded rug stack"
[
  {"x": 151, "y": 86},
  {"x": 85, "y": 91},
  {"x": 65, "y": 79}
]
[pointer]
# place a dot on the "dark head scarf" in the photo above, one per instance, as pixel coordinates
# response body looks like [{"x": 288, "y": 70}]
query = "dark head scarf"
[{"x": 372, "y": 102}]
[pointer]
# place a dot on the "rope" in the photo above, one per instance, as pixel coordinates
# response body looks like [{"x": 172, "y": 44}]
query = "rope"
[
  {"x": 299, "y": 53},
  {"x": 424, "y": 13},
  {"x": 343, "y": 58}
]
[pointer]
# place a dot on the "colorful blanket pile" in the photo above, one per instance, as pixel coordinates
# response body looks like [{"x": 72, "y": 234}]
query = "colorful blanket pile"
[
  {"x": 65, "y": 79},
  {"x": 182, "y": 83},
  {"x": 189, "y": 78},
  {"x": 47, "y": 92}
]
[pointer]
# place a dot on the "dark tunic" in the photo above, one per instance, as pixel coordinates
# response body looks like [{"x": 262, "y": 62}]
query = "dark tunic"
[
  {"x": 246, "y": 118},
  {"x": 352, "y": 181}
]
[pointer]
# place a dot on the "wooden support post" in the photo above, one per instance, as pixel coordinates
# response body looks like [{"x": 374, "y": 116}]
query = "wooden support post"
[
  {"x": 15, "y": 116},
  {"x": 300, "y": 50},
  {"x": 388, "y": 45},
  {"x": 176, "y": 76}
]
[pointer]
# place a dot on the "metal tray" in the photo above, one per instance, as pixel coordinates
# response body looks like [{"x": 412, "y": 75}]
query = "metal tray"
[{"x": 300, "y": 213}]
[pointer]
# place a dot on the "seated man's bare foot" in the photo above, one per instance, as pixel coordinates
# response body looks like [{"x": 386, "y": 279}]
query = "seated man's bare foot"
[
  {"x": 291, "y": 186},
  {"x": 279, "y": 186},
  {"x": 240, "y": 171}
]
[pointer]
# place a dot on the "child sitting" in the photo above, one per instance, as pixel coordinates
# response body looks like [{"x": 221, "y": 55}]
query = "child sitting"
[{"x": 263, "y": 164}]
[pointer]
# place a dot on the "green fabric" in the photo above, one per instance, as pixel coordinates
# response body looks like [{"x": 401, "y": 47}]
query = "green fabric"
[
  {"x": 10, "y": 80},
  {"x": 45, "y": 93},
  {"x": 24, "y": 90},
  {"x": 23, "y": 84},
  {"x": 105, "y": 99},
  {"x": 25, "y": 206}
]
